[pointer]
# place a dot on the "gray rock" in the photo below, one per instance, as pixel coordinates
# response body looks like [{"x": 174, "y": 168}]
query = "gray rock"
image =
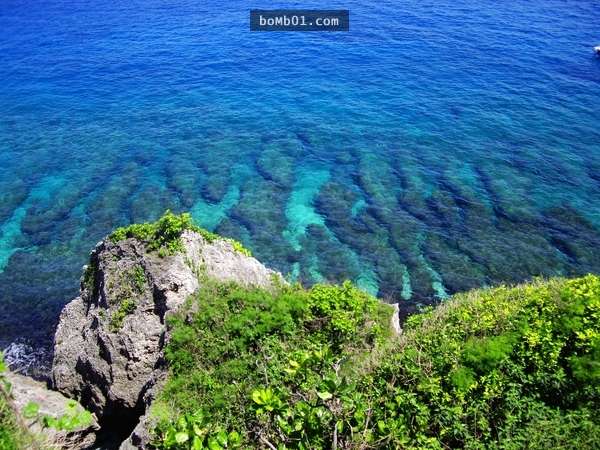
[
  {"x": 109, "y": 342},
  {"x": 395, "y": 320},
  {"x": 51, "y": 403}
]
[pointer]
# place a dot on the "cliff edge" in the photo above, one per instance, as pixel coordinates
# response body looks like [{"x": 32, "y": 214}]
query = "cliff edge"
[{"x": 109, "y": 342}]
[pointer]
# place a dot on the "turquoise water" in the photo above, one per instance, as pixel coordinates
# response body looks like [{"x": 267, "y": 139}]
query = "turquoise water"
[{"x": 436, "y": 147}]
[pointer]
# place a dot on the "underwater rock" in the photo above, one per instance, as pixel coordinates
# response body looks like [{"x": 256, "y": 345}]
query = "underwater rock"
[
  {"x": 182, "y": 178},
  {"x": 259, "y": 213},
  {"x": 276, "y": 164},
  {"x": 215, "y": 188},
  {"x": 379, "y": 262},
  {"x": 151, "y": 201},
  {"x": 109, "y": 341}
]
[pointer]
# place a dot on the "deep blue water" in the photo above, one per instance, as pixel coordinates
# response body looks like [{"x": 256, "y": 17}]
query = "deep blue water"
[{"x": 437, "y": 146}]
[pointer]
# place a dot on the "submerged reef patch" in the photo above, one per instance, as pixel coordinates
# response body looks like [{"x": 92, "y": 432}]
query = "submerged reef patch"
[{"x": 299, "y": 210}]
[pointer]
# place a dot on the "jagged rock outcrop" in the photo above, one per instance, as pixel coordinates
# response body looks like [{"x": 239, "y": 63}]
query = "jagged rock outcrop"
[
  {"x": 25, "y": 391},
  {"x": 109, "y": 341}
]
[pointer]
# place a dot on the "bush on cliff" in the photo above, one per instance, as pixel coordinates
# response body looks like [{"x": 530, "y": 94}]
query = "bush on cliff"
[
  {"x": 164, "y": 235},
  {"x": 504, "y": 368},
  {"x": 238, "y": 356}
]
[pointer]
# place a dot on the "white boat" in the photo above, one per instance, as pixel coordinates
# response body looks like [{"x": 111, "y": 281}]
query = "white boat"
[{"x": 597, "y": 50}]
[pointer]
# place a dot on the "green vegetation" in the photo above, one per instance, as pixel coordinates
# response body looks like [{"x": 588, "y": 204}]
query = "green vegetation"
[
  {"x": 504, "y": 368},
  {"x": 126, "y": 307},
  {"x": 9, "y": 429},
  {"x": 74, "y": 418},
  {"x": 89, "y": 276},
  {"x": 164, "y": 235},
  {"x": 138, "y": 279},
  {"x": 244, "y": 360},
  {"x": 13, "y": 433},
  {"x": 238, "y": 247},
  {"x": 126, "y": 284},
  {"x": 126, "y": 287}
]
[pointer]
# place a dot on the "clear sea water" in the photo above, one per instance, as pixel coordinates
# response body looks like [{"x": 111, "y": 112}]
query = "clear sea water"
[{"x": 438, "y": 146}]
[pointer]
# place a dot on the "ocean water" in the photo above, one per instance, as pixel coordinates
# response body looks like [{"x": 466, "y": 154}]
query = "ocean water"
[{"x": 436, "y": 147}]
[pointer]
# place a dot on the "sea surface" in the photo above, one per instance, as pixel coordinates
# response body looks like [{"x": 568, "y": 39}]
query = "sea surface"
[{"x": 436, "y": 147}]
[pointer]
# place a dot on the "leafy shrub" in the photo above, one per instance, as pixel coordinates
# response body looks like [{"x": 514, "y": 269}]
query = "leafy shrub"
[
  {"x": 126, "y": 307},
  {"x": 247, "y": 359},
  {"x": 238, "y": 247},
  {"x": 89, "y": 276},
  {"x": 503, "y": 368},
  {"x": 164, "y": 235}
]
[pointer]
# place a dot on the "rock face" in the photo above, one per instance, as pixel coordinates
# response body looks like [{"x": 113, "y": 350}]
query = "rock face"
[
  {"x": 109, "y": 341},
  {"x": 51, "y": 403}
]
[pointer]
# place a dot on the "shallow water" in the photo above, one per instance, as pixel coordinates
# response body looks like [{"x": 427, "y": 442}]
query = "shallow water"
[{"x": 436, "y": 147}]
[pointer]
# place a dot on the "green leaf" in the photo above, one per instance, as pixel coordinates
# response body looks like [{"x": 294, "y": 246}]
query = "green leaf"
[
  {"x": 31, "y": 410},
  {"x": 181, "y": 437},
  {"x": 324, "y": 395},
  {"x": 222, "y": 438},
  {"x": 214, "y": 445},
  {"x": 198, "y": 431},
  {"x": 50, "y": 422},
  {"x": 257, "y": 398},
  {"x": 234, "y": 438},
  {"x": 197, "y": 444}
]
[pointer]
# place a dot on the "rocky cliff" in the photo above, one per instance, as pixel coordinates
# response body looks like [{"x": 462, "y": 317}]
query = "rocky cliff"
[{"x": 109, "y": 342}]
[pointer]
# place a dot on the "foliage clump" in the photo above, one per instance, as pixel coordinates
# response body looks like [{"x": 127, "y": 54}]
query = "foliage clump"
[
  {"x": 74, "y": 417},
  {"x": 503, "y": 368},
  {"x": 497, "y": 369},
  {"x": 247, "y": 363},
  {"x": 138, "y": 279},
  {"x": 126, "y": 307},
  {"x": 164, "y": 235},
  {"x": 126, "y": 287}
]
